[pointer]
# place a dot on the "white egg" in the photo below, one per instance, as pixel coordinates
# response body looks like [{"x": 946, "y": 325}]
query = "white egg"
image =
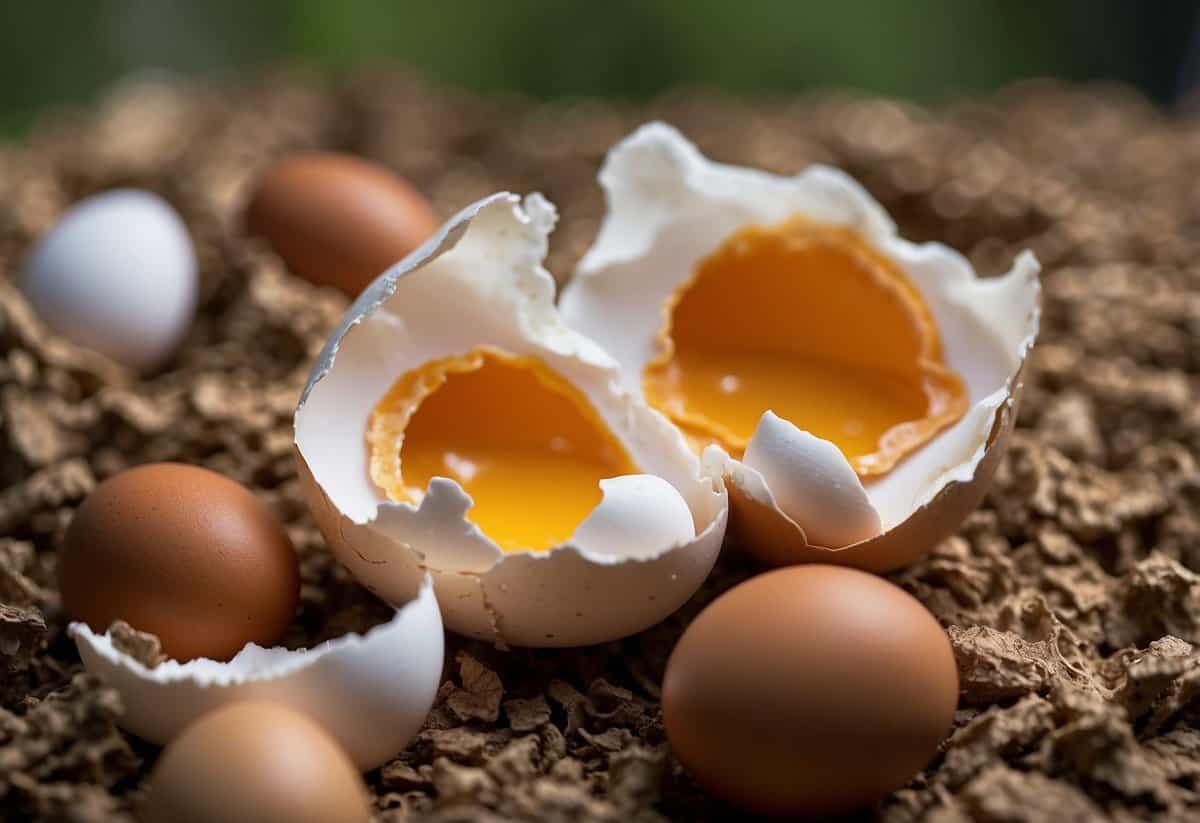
[
  {"x": 370, "y": 692},
  {"x": 477, "y": 290},
  {"x": 795, "y": 495},
  {"x": 116, "y": 274}
]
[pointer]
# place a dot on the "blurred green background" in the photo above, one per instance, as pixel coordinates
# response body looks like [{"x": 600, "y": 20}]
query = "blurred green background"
[{"x": 54, "y": 52}]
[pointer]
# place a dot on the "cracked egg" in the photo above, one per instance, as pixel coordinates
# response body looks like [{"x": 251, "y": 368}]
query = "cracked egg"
[
  {"x": 855, "y": 389},
  {"x": 454, "y": 425}
]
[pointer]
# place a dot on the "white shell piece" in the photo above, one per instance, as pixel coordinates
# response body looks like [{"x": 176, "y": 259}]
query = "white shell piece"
[
  {"x": 480, "y": 281},
  {"x": 639, "y": 514},
  {"x": 370, "y": 692},
  {"x": 669, "y": 207},
  {"x": 810, "y": 481},
  {"x": 116, "y": 274}
]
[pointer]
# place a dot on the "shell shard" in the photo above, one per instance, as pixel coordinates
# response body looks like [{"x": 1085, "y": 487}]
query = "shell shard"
[{"x": 370, "y": 692}]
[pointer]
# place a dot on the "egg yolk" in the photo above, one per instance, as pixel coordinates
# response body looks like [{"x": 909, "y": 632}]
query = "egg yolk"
[
  {"x": 523, "y": 442},
  {"x": 809, "y": 321}
]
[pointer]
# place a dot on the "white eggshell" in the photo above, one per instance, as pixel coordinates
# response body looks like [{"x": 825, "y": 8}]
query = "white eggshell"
[
  {"x": 370, "y": 692},
  {"x": 638, "y": 515},
  {"x": 116, "y": 274},
  {"x": 668, "y": 208},
  {"x": 809, "y": 480},
  {"x": 480, "y": 281}
]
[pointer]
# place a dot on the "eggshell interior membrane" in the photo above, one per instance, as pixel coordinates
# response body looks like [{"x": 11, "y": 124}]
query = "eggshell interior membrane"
[
  {"x": 371, "y": 693},
  {"x": 794, "y": 498},
  {"x": 479, "y": 282}
]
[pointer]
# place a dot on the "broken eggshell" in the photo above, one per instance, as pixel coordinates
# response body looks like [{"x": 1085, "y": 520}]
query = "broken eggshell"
[
  {"x": 794, "y": 497},
  {"x": 643, "y": 550},
  {"x": 371, "y": 692}
]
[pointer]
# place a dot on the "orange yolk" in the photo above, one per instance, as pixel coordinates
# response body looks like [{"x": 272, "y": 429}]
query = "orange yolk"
[
  {"x": 523, "y": 442},
  {"x": 809, "y": 321}
]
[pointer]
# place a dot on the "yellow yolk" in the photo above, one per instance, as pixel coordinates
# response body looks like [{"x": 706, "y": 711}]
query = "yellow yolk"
[
  {"x": 808, "y": 321},
  {"x": 522, "y": 441}
]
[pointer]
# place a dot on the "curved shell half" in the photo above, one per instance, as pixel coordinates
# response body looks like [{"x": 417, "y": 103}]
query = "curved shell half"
[
  {"x": 370, "y": 692},
  {"x": 795, "y": 498},
  {"x": 642, "y": 552}
]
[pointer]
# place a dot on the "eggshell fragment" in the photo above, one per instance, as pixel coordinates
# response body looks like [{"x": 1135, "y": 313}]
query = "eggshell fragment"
[
  {"x": 813, "y": 481},
  {"x": 779, "y": 541},
  {"x": 255, "y": 762},
  {"x": 116, "y": 274},
  {"x": 621, "y": 523},
  {"x": 480, "y": 281},
  {"x": 792, "y": 501},
  {"x": 371, "y": 693}
]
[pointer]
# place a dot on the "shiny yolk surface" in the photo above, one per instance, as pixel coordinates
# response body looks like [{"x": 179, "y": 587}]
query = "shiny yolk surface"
[
  {"x": 523, "y": 442},
  {"x": 809, "y": 321}
]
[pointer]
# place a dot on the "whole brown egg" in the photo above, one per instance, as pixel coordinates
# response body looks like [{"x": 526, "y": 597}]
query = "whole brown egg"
[
  {"x": 184, "y": 553},
  {"x": 338, "y": 220},
  {"x": 255, "y": 761},
  {"x": 807, "y": 691}
]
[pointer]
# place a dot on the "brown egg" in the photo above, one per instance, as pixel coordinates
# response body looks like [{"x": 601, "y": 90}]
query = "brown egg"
[
  {"x": 810, "y": 690},
  {"x": 338, "y": 220},
  {"x": 255, "y": 761},
  {"x": 184, "y": 553}
]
